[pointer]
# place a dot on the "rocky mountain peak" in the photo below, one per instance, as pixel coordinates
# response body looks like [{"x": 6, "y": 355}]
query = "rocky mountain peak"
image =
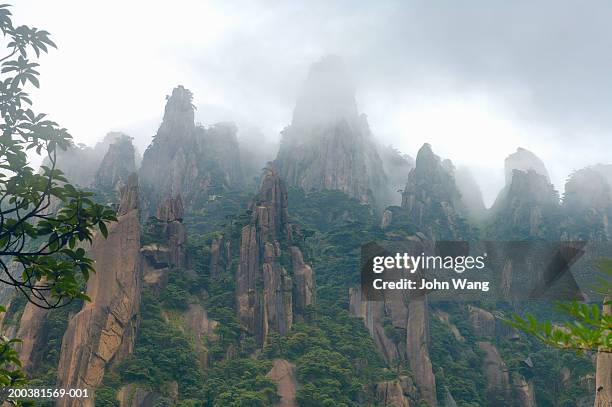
[
  {"x": 431, "y": 196},
  {"x": 329, "y": 144},
  {"x": 118, "y": 163},
  {"x": 523, "y": 160},
  {"x": 179, "y": 112},
  {"x": 193, "y": 161}
]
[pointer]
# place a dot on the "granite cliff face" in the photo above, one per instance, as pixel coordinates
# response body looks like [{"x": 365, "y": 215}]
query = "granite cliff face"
[
  {"x": 268, "y": 297},
  {"x": 431, "y": 199},
  {"x": 169, "y": 249},
  {"x": 117, "y": 165},
  {"x": 193, "y": 161},
  {"x": 329, "y": 144},
  {"x": 283, "y": 374},
  {"x": 408, "y": 319},
  {"x": 528, "y": 206},
  {"x": 103, "y": 332}
]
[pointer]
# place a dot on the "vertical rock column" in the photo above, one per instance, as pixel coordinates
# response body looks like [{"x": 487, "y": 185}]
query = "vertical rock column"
[
  {"x": 103, "y": 332},
  {"x": 265, "y": 291}
]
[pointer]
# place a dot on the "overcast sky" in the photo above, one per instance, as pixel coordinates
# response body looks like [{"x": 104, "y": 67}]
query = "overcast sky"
[{"x": 476, "y": 79}]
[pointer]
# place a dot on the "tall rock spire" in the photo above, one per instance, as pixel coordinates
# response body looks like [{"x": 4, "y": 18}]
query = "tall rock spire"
[
  {"x": 189, "y": 160},
  {"x": 329, "y": 144},
  {"x": 268, "y": 296},
  {"x": 431, "y": 198}
]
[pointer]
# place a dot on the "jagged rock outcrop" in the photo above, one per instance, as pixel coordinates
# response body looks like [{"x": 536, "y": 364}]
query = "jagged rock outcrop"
[
  {"x": 587, "y": 205},
  {"x": 117, "y": 165},
  {"x": 283, "y": 374},
  {"x": 329, "y": 144},
  {"x": 220, "y": 256},
  {"x": 390, "y": 393},
  {"x": 199, "y": 327},
  {"x": 303, "y": 284},
  {"x": 471, "y": 194},
  {"x": 265, "y": 290},
  {"x": 80, "y": 163},
  {"x": 444, "y": 317},
  {"x": 523, "y": 160},
  {"x": 496, "y": 375},
  {"x": 524, "y": 392},
  {"x": 482, "y": 321},
  {"x": 168, "y": 250},
  {"x": 431, "y": 199},
  {"x": 133, "y": 395},
  {"x": 188, "y": 159},
  {"x": 409, "y": 317},
  {"x": 103, "y": 332},
  {"x": 528, "y": 205},
  {"x": 603, "y": 373},
  {"x": 417, "y": 344}
]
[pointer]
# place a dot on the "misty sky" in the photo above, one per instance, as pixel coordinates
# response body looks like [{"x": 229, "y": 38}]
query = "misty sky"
[{"x": 476, "y": 79}]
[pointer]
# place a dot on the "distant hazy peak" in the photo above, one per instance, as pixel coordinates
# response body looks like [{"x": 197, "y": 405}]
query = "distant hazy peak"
[
  {"x": 327, "y": 96},
  {"x": 179, "y": 111},
  {"x": 523, "y": 160}
]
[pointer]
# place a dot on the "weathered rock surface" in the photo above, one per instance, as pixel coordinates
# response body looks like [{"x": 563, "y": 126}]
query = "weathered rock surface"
[
  {"x": 283, "y": 374},
  {"x": 329, "y": 144},
  {"x": 117, "y": 165},
  {"x": 445, "y": 319},
  {"x": 32, "y": 334},
  {"x": 220, "y": 256},
  {"x": 199, "y": 327},
  {"x": 603, "y": 373},
  {"x": 413, "y": 320},
  {"x": 189, "y": 160},
  {"x": 390, "y": 393},
  {"x": 417, "y": 343},
  {"x": 103, "y": 332},
  {"x": 482, "y": 321},
  {"x": 431, "y": 197},
  {"x": 496, "y": 375},
  {"x": 132, "y": 395},
  {"x": 524, "y": 392},
  {"x": 269, "y": 305},
  {"x": 169, "y": 250},
  {"x": 303, "y": 284}
]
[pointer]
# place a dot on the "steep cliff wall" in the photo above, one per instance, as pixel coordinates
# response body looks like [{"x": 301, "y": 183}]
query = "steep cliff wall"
[{"x": 103, "y": 332}]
